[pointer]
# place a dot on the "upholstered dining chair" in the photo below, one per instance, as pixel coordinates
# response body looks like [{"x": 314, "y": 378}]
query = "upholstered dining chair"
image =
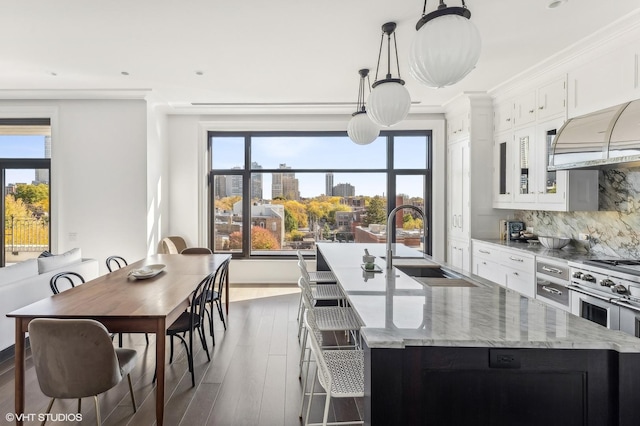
[
  {"x": 74, "y": 358},
  {"x": 70, "y": 278},
  {"x": 172, "y": 245},
  {"x": 113, "y": 264},
  {"x": 197, "y": 250}
]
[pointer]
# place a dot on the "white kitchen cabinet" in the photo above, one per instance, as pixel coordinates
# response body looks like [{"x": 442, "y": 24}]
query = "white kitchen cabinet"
[
  {"x": 552, "y": 99},
  {"x": 524, "y": 111},
  {"x": 503, "y": 116},
  {"x": 458, "y": 127},
  {"x": 470, "y": 213},
  {"x": 508, "y": 267},
  {"x": 503, "y": 169},
  {"x": 459, "y": 254},
  {"x": 521, "y": 168},
  {"x": 607, "y": 80}
]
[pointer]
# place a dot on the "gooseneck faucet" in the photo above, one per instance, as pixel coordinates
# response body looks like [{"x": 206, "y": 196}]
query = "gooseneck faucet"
[{"x": 390, "y": 218}]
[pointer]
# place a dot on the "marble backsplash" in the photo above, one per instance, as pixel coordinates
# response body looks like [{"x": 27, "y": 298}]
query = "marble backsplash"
[{"x": 614, "y": 229}]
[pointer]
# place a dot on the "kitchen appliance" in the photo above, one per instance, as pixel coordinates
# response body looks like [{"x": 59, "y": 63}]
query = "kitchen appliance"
[
  {"x": 607, "y": 292},
  {"x": 552, "y": 282},
  {"x": 605, "y": 138},
  {"x": 514, "y": 227}
]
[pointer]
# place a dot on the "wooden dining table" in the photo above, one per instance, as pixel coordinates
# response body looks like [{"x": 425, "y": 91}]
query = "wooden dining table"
[{"x": 123, "y": 304}]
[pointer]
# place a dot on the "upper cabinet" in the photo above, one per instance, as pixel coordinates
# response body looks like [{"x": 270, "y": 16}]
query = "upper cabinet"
[
  {"x": 609, "y": 79},
  {"x": 458, "y": 126},
  {"x": 503, "y": 116},
  {"x": 521, "y": 157}
]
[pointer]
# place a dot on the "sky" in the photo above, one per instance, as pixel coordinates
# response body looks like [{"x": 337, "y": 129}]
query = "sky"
[
  {"x": 21, "y": 146},
  {"x": 324, "y": 153}
]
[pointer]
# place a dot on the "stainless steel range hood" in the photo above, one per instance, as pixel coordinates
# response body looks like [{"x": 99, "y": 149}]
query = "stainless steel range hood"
[{"x": 604, "y": 139}]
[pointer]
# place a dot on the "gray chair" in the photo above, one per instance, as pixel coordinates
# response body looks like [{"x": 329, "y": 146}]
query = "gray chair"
[
  {"x": 74, "y": 358},
  {"x": 196, "y": 250}
]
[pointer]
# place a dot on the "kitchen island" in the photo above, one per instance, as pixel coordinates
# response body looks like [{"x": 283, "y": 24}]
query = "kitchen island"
[{"x": 462, "y": 350}]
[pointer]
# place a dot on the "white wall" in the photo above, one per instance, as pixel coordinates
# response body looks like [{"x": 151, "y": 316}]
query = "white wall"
[
  {"x": 187, "y": 172},
  {"x": 98, "y": 176}
]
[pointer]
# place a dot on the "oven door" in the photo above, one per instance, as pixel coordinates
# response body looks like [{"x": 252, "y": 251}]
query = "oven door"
[
  {"x": 630, "y": 319},
  {"x": 594, "y": 308}
]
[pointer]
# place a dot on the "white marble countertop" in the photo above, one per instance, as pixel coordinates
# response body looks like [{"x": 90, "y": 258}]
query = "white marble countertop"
[{"x": 399, "y": 311}]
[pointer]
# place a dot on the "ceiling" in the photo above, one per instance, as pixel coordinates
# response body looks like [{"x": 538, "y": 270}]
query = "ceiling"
[{"x": 280, "y": 53}]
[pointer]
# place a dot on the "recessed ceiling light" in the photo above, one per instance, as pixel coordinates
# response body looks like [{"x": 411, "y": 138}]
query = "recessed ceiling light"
[
  {"x": 555, "y": 3},
  {"x": 124, "y": 73}
]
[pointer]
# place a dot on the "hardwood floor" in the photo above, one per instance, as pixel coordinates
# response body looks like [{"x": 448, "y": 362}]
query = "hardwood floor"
[{"x": 252, "y": 378}]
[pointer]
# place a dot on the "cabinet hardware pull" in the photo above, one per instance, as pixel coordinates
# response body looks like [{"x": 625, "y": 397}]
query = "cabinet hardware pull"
[
  {"x": 484, "y": 251},
  {"x": 554, "y": 270},
  {"x": 531, "y": 111},
  {"x": 516, "y": 274},
  {"x": 541, "y": 107},
  {"x": 551, "y": 290},
  {"x": 484, "y": 263},
  {"x": 517, "y": 259},
  {"x": 508, "y": 119}
]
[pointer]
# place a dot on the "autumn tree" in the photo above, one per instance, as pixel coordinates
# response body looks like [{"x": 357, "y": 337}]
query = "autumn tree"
[
  {"x": 261, "y": 239},
  {"x": 375, "y": 211},
  {"x": 226, "y": 203}
]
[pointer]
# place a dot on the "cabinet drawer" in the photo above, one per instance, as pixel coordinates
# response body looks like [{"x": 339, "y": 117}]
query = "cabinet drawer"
[
  {"x": 486, "y": 251},
  {"x": 518, "y": 261},
  {"x": 522, "y": 282},
  {"x": 489, "y": 270}
]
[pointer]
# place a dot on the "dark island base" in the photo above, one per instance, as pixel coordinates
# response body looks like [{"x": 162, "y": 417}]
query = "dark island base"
[{"x": 497, "y": 386}]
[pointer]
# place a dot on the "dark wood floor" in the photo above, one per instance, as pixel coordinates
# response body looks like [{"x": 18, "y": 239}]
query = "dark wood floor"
[{"x": 252, "y": 378}]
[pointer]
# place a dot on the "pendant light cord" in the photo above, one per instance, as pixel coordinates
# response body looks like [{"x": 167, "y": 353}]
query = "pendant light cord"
[
  {"x": 395, "y": 44},
  {"x": 379, "y": 55}
]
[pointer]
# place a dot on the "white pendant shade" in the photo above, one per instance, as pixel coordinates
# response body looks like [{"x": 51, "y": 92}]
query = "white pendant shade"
[
  {"x": 362, "y": 130},
  {"x": 444, "y": 51},
  {"x": 388, "y": 103}
]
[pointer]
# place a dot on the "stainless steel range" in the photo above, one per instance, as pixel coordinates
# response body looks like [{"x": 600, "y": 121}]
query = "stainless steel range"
[{"x": 607, "y": 292}]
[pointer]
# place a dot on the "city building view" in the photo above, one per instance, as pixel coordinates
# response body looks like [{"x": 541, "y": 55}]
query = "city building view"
[{"x": 293, "y": 205}]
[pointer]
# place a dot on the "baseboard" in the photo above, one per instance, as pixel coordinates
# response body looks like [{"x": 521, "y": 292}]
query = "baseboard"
[{"x": 10, "y": 352}]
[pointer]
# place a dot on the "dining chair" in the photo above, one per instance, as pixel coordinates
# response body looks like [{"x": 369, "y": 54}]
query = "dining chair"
[
  {"x": 172, "y": 245},
  {"x": 113, "y": 264},
  {"x": 214, "y": 295},
  {"x": 71, "y": 278},
  {"x": 75, "y": 358},
  {"x": 191, "y": 321},
  {"x": 196, "y": 250},
  {"x": 339, "y": 372}
]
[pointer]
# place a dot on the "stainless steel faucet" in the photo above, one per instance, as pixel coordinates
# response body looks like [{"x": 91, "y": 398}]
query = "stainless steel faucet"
[{"x": 392, "y": 215}]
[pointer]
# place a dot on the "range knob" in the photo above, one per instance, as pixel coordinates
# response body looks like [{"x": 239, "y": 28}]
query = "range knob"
[
  {"x": 577, "y": 274},
  {"x": 606, "y": 282},
  {"x": 588, "y": 278},
  {"x": 619, "y": 288}
]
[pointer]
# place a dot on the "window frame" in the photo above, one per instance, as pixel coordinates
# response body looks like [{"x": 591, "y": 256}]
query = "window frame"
[{"x": 246, "y": 171}]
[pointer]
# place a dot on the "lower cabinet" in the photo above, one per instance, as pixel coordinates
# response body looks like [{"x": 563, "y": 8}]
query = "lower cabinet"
[
  {"x": 511, "y": 268},
  {"x": 459, "y": 254}
]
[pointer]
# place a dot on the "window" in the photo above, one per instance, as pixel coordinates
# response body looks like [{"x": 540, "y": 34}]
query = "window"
[
  {"x": 25, "y": 152},
  {"x": 303, "y": 187}
]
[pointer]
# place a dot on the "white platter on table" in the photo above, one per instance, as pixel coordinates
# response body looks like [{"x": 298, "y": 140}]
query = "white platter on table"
[{"x": 147, "y": 271}]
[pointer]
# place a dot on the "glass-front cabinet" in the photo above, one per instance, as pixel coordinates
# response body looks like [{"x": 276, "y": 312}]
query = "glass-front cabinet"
[
  {"x": 525, "y": 165},
  {"x": 503, "y": 170}
]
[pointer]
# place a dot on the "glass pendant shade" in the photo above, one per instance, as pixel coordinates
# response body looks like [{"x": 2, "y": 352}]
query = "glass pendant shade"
[
  {"x": 389, "y": 103},
  {"x": 362, "y": 130},
  {"x": 444, "y": 51}
]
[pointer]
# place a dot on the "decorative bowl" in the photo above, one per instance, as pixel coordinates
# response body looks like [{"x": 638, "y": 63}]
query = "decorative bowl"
[{"x": 554, "y": 243}]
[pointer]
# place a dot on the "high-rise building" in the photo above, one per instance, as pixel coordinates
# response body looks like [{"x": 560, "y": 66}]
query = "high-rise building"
[
  {"x": 328, "y": 184},
  {"x": 256, "y": 181},
  {"x": 220, "y": 186},
  {"x": 42, "y": 175},
  {"x": 234, "y": 184},
  {"x": 285, "y": 184},
  {"x": 344, "y": 190}
]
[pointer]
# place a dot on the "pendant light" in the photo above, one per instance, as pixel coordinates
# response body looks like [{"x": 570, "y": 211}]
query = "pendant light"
[
  {"x": 446, "y": 48},
  {"x": 389, "y": 101},
  {"x": 361, "y": 129}
]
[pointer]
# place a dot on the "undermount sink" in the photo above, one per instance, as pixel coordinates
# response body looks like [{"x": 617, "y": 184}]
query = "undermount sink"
[{"x": 435, "y": 276}]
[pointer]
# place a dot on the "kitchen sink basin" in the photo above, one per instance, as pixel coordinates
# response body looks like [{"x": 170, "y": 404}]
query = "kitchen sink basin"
[{"x": 435, "y": 276}]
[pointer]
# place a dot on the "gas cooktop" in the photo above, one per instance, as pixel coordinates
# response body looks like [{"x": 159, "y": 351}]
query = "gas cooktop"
[{"x": 630, "y": 266}]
